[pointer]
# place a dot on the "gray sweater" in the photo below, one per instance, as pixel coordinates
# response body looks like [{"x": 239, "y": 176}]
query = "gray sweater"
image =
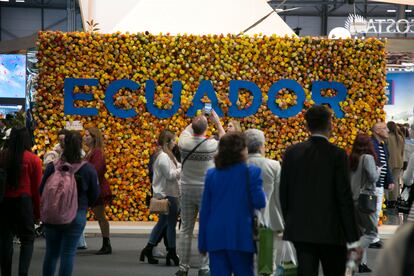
[{"x": 365, "y": 177}]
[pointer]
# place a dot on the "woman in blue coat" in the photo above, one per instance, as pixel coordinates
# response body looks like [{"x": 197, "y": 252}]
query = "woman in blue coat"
[{"x": 232, "y": 191}]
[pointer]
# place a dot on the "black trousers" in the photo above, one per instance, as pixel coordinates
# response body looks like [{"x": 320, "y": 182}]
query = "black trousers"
[
  {"x": 332, "y": 257},
  {"x": 16, "y": 217}
]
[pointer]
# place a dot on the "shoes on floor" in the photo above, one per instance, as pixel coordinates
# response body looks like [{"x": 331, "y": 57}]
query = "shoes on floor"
[
  {"x": 363, "y": 268},
  {"x": 82, "y": 247},
  {"x": 376, "y": 245}
]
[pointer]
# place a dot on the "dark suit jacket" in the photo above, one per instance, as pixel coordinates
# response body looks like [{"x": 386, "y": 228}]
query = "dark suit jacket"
[{"x": 315, "y": 194}]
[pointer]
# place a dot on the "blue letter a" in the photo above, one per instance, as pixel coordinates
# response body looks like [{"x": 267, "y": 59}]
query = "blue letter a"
[{"x": 205, "y": 87}]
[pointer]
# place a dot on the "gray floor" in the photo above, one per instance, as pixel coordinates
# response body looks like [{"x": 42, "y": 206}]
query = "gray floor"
[{"x": 124, "y": 260}]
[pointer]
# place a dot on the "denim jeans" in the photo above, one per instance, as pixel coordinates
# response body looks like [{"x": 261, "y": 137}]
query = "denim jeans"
[
  {"x": 170, "y": 221},
  {"x": 61, "y": 243},
  {"x": 16, "y": 216},
  {"x": 380, "y": 194}
]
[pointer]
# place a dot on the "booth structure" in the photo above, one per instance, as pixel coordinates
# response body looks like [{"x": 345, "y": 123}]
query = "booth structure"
[{"x": 183, "y": 16}]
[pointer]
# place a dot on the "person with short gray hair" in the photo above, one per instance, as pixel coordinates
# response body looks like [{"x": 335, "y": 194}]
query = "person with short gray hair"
[{"x": 271, "y": 215}]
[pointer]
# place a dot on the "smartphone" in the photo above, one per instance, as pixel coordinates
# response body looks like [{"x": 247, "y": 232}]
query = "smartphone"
[{"x": 207, "y": 108}]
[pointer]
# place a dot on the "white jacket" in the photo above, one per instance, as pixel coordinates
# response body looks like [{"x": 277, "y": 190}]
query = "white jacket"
[{"x": 166, "y": 177}]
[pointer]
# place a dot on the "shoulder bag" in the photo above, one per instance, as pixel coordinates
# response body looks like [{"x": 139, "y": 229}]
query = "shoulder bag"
[
  {"x": 159, "y": 206},
  {"x": 192, "y": 151},
  {"x": 367, "y": 203}
]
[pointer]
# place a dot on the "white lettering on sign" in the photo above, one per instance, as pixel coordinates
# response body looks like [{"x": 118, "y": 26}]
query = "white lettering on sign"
[{"x": 357, "y": 24}]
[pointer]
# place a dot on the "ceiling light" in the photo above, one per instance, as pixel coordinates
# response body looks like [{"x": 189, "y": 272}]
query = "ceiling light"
[
  {"x": 4, "y": 0},
  {"x": 408, "y": 10},
  {"x": 391, "y": 10},
  {"x": 20, "y": 1}
]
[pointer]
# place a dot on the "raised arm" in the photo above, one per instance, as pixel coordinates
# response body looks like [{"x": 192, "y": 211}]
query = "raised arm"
[{"x": 217, "y": 123}]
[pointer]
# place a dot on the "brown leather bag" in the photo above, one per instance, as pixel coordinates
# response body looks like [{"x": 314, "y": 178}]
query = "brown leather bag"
[{"x": 159, "y": 206}]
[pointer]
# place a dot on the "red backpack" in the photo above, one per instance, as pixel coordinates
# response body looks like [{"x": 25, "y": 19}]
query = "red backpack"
[{"x": 59, "y": 201}]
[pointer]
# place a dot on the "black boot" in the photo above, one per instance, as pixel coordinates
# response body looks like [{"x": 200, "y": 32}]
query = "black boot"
[
  {"x": 172, "y": 255},
  {"x": 147, "y": 252},
  {"x": 106, "y": 247}
]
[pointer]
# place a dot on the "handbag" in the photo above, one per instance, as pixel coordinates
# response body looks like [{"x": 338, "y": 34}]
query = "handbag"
[
  {"x": 265, "y": 251},
  {"x": 405, "y": 200},
  {"x": 367, "y": 203},
  {"x": 159, "y": 206},
  {"x": 287, "y": 267},
  {"x": 263, "y": 236}
]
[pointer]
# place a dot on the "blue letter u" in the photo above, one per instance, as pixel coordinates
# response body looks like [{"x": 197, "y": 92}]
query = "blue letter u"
[{"x": 162, "y": 113}]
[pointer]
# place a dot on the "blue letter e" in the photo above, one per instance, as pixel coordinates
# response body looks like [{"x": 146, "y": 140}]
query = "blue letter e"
[
  {"x": 69, "y": 97},
  {"x": 235, "y": 86}
]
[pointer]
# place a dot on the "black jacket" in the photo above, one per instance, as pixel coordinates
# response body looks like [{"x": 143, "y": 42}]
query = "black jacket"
[{"x": 315, "y": 194}]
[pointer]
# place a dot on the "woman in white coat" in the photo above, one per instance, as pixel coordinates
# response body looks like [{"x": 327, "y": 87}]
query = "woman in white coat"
[{"x": 165, "y": 184}]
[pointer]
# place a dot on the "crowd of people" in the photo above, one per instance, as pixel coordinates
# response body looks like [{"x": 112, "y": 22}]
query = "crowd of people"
[
  {"x": 35, "y": 192},
  {"x": 323, "y": 201}
]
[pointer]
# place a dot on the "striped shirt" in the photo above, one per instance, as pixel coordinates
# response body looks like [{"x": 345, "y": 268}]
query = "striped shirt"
[{"x": 384, "y": 164}]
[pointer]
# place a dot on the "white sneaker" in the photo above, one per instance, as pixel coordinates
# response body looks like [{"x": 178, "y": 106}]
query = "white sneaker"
[{"x": 157, "y": 253}]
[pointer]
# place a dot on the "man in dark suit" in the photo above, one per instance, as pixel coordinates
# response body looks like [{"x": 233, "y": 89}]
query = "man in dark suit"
[{"x": 316, "y": 200}]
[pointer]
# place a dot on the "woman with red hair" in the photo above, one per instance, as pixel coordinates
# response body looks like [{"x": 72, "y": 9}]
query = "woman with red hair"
[{"x": 364, "y": 174}]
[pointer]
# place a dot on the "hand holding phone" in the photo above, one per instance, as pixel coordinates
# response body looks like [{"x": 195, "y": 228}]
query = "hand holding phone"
[{"x": 207, "y": 109}]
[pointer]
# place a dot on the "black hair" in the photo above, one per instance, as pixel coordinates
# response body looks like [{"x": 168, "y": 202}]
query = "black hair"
[
  {"x": 230, "y": 150},
  {"x": 63, "y": 131},
  {"x": 73, "y": 147},
  {"x": 18, "y": 142},
  {"x": 318, "y": 118}
]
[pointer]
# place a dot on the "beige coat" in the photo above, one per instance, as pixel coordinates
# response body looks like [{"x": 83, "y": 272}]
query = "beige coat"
[
  {"x": 271, "y": 215},
  {"x": 396, "y": 150}
]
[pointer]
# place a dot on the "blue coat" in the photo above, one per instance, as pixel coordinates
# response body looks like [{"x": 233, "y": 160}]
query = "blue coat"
[{"x": 226, "y": 214}]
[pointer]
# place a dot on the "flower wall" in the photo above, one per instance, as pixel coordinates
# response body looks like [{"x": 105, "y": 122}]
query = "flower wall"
[{"x": 358, "y": 64}]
